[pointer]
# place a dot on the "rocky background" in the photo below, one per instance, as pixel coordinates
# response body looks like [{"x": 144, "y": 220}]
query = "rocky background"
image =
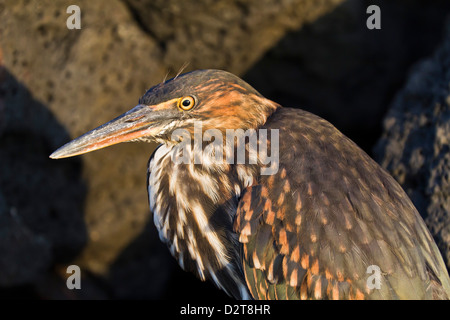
[{"x": 56, "y": 84}]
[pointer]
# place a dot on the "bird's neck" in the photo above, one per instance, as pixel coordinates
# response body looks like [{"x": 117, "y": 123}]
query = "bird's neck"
[
  {"x": 194, "y": 207},
  {"x": 252, "y": 113}
]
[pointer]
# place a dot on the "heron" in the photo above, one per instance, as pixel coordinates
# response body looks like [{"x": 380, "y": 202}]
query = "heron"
[{"x": 326, "y": 223}]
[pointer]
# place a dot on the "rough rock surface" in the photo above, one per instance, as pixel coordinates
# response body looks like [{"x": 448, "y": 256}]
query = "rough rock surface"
[
  {"x": 25, "y": 254},
  {"x": 229, "y": 35},
  {"x": 415, "y": 146},
  {"x": 38, "y": 222},
  {"x": 346, "y": 73},
  {"x": 58, "y": 83}
]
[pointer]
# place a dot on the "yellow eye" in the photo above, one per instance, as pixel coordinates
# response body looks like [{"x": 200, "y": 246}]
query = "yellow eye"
[{"x": 186, "y": 103}]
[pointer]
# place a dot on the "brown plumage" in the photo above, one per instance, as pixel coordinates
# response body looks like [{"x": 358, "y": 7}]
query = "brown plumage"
[
  {"x": 340, "y": 213},
  {"x": 310, "y": 230}
]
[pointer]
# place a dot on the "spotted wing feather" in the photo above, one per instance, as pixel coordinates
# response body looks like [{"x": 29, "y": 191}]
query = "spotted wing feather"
[{"x": 312, "y": 230}]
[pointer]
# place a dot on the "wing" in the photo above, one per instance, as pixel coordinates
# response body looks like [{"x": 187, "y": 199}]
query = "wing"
[{"x": 332, "y": 224}]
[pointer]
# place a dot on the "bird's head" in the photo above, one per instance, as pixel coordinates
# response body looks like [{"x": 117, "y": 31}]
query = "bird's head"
[{"x": 218, "y": 99}]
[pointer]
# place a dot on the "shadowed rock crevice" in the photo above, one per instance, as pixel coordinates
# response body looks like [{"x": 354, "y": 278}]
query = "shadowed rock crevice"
[
  {"x": 229, "y": 35},
  {"x": 338, "y": 69},
  {"x": 41, "y": 203},
  {"x": 415, "y": 148}
]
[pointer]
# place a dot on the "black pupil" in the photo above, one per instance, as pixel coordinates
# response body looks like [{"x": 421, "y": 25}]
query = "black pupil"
[{"x": 186, "y": 103}]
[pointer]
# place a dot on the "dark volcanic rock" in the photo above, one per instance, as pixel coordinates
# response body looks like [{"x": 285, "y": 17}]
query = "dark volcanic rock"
[
  {"x": 338, "y": 69},
  {"x": 229, "y": 35},
  {"x": 52, "y": 79},
  {"x": 415, "y": 147},
  {"x": 39, "y": 224},
  {"x": 48, "y": 197},
  {"x": 24, "y": 255}
]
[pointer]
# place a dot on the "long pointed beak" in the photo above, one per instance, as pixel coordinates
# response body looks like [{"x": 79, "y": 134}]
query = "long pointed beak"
[{"x": 140, "y": 121}]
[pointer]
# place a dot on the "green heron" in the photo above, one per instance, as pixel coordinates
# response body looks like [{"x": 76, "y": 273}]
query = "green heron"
[{"x": 317, "y": 227}]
